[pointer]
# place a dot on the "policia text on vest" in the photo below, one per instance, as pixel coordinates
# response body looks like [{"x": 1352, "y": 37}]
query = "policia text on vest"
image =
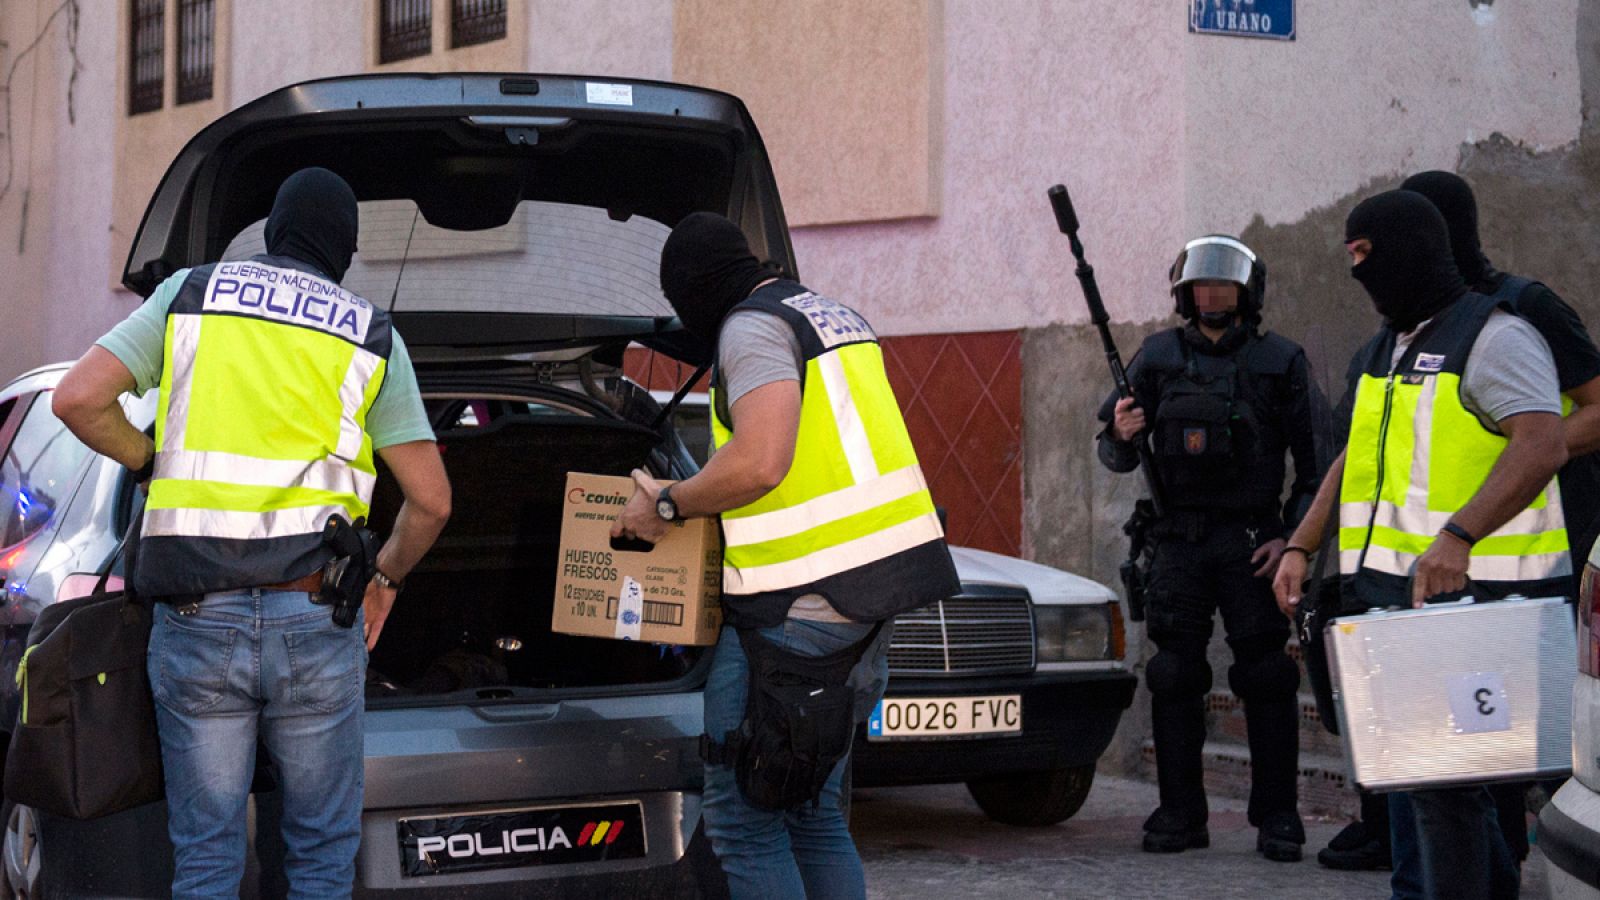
[
  {"x": 252, "y": 504},
  {"x": 852, "y": 519}
]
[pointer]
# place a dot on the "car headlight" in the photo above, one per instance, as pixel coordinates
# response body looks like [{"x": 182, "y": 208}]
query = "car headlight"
[{"x": 1076, "y": 633}]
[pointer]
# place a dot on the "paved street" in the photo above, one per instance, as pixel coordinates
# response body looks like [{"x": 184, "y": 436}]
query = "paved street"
[{"x": 931, "y": 843}]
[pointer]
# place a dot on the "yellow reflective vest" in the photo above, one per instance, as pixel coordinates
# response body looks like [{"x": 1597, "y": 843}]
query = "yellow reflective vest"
[
  {"x": 1416, "y": 456},
  {"x": 267, "y": 375},
  {"x": 852, "y": 520}
]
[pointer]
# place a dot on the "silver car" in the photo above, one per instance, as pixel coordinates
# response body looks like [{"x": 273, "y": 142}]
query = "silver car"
[
  {"x": 1569, "y": 825},
  {"x": 512, "y": 225}
]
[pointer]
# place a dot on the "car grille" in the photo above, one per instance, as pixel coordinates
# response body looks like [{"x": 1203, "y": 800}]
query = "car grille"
[{"x": 964, "y": 635}]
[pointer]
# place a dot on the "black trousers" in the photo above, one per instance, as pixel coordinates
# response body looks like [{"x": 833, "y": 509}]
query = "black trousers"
[{"x": 1197, "y": 572}]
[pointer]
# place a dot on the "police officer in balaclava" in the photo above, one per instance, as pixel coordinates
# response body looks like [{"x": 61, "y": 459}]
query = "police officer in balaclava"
[
  {"x": 1578, "y": 371},
  {"x": 863, "y": 558},
  {"x": 1220, "y": 403},
  {"x": 263, "y": 354},
  {"x": 1455, "y": 434},
  {"x": 1577, "y": 359}
]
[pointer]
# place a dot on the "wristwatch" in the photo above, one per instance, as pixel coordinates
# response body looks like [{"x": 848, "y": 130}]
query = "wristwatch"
[
  {"x": 665, "y": 508},
  {"x": 385, "y": 581}
]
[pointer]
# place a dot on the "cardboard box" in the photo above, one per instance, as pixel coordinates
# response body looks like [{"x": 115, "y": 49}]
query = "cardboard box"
[{"x": 668, "y": 594}]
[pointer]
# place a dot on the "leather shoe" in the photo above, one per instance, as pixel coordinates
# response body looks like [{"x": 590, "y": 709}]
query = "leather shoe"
[
  {"x": 1280, "y": 837},
  {"x": 1170, "y": 832},
  {"x": 1357, "y": 849}
]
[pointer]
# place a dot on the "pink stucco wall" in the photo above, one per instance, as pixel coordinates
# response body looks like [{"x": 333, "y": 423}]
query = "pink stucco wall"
[
  {"x": 1034, "y": 93},
  {"x": 1368, "y": 90}
]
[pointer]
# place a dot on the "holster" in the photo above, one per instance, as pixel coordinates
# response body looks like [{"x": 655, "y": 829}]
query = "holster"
[
  {"x": 345, "y": 576},
  {"x": 1135, "y": 570},
  {"x": 799, "y": 721}
]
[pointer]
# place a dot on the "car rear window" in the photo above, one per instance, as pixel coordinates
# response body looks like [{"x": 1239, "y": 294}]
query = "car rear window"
[{"x": 549, "y": 258}]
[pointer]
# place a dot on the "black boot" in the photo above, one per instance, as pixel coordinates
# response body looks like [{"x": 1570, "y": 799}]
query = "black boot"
[
  {"x": 1169, "y": 831},
  {"x": 1274, "y": 738},
  {"x": 1179, "y": 727},
  {"x": 1281, "y": 836},
  {"x": 1363, "y": 845}
]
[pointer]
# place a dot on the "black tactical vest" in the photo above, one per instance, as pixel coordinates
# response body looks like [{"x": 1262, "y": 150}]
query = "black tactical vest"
[{"x": 1218, "y": 431}]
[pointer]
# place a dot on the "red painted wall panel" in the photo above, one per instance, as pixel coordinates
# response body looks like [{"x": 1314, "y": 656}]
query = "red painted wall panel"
[{"x": 961, "y": 395}]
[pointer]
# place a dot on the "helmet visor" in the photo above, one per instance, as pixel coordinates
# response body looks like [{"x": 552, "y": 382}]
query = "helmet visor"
[{"x": 1214, "y": 259}]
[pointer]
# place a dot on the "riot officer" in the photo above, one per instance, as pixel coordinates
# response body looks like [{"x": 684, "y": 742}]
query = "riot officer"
[{"x": 1219, "y": 402}]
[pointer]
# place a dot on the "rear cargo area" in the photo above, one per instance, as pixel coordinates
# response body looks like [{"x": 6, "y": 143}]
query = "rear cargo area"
[{"x": 474, "y": 616}]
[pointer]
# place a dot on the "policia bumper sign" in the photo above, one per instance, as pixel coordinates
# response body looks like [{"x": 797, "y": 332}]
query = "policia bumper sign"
[
  {"x": 552, "y": 835},
  {"x": 1272, "y": 19}
]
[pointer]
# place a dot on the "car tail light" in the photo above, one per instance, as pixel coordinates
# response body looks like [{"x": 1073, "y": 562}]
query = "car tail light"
[{"x": 1588, "y": 642}]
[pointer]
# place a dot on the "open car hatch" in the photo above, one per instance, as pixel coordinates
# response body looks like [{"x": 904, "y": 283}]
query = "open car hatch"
[{"x": 500, "y": 214}]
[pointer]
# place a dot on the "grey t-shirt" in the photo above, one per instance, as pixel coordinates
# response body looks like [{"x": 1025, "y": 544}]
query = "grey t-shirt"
[
  {"x": 1510, "y": 371},
  {"x": 755, "y": 349}
]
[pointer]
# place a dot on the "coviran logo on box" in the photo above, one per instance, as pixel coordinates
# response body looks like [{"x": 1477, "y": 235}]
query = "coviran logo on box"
[{"x": 597, "y": 506}]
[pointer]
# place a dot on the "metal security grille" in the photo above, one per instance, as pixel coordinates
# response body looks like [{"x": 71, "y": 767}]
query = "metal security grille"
[
  {"x": 405, "y": 29},
  {"x": 146, "y": 60},
  {"x": 965, "y": 635},
  {"x": 196, "y": 28},
  {"x": 476, "y": 22}
]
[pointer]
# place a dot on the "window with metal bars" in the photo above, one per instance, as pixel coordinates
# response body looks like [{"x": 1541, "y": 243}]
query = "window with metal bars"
[
  {"x": 146, "y": 60},
  {"x": 476, "y": 22},
  {"x": 196, "y": 46},
  {"x": 405, "y": 29}
]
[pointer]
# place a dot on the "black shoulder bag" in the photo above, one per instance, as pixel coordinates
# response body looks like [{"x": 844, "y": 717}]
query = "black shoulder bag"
[{"x": 85, "y": 744}]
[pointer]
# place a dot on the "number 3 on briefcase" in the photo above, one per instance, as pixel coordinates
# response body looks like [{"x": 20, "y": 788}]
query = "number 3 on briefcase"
[{"x": 1478, "y": 703}]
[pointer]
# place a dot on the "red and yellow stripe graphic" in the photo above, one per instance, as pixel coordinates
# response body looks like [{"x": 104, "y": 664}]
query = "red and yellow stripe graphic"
[{"x": 596, "y": 832}]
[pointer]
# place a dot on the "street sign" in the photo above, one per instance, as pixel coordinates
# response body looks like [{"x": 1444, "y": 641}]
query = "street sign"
[{"x": 1243, "y": 18}]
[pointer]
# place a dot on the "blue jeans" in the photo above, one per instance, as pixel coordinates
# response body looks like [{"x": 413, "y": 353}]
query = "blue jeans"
[
  {"x": 270, "y": 665},
  {"x": 803, "y": 853},
  {"x": 1406, "y": 882},
  {"x": 1447, "y": 844}
]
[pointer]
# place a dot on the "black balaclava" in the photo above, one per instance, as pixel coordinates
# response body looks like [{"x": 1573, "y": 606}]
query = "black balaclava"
[
  {"x": 1410, "y": 273},
  {"x": 706, "y": 270},
  {"x": 1452, "y": 196},
  {"x": 314, "y": 219}
]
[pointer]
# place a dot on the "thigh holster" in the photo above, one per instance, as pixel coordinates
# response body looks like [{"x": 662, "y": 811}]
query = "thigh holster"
[{"x": 799, "y": 721}]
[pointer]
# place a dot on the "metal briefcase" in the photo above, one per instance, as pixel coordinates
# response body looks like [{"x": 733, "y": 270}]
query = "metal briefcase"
[{"x": 1459, "y": 693}]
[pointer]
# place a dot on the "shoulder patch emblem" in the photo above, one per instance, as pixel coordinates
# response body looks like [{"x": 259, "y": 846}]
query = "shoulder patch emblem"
[{"x": 1430, "y": 362}]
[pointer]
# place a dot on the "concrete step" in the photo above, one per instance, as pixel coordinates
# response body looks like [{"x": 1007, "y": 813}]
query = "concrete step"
[
  {"x": 1225, "y": 723},
  {"x": 1324, "y": 779}
]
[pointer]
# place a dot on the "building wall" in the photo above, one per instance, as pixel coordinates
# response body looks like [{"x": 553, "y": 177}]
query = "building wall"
[
  {"x": 56, "y": 215},
  {"x": 1368, "y": 89},
  {"x": 846, "y": 95},
  {"x": 627, "y": 38},
  {"x": 1034, "y": 93}
]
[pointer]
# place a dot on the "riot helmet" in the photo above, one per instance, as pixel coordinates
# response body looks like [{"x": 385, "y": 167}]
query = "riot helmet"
[{"x": 1218, "y": 257}]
